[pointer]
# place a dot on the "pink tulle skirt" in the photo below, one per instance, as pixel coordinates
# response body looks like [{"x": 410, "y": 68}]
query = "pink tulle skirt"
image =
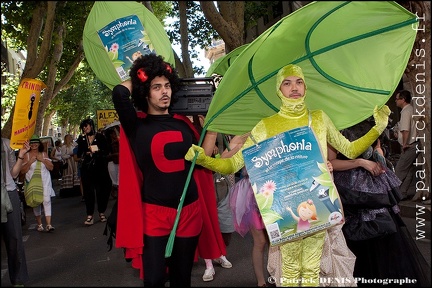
[{"x": 244, "y": 208}]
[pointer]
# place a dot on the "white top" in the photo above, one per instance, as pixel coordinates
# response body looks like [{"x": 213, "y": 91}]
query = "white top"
[
  {"x": 407, "y": 123},
  {"x": 46, "y": 176},
  {"x": 67, "y": 151},
  {"x": 58, "y": 153}
]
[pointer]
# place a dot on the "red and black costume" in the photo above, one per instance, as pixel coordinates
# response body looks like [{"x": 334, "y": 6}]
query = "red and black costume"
[{"x": 152, "y": 176}]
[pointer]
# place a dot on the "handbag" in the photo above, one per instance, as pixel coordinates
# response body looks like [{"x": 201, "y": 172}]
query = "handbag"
[
  {"x": 56, "y": 172},
  {"x": 33, "y": 191},
  {"x": 6, "y": 204},
  {"x": 111, "y": 226},
  {"x": 88, "y": 163},
  {"x": 369, "y": 224},
  {"x": 64, "y": 165},
  {"x": 222, "y": 188}
]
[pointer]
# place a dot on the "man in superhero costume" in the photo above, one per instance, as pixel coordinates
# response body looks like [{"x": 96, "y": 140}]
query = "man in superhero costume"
[
  {"x": 299, "y": 260},
  {"x": 152, "y": 176}
]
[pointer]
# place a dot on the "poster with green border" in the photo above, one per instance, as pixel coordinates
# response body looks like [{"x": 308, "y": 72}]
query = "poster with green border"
[{"x": 124, "y": 41}]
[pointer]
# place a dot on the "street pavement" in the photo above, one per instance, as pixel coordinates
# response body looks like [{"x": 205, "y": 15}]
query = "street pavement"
[{"x": 77, "y": 256}]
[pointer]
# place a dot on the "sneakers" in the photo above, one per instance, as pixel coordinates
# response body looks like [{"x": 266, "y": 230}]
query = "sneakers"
[
  {"x": 89, "y": 221},
  {"x": 102, "y": 217},
  {"x": 208, "y": 274},
  {"x": 49, "y": 228},
  {"x": 40, "y": 228},
  {"x": 223, "y": 262}
]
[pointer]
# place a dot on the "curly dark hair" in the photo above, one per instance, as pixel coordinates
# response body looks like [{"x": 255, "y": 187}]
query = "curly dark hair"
[{"x": 154, "y": 66}]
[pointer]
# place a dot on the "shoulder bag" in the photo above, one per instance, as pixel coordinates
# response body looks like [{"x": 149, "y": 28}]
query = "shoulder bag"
[
  {"x": 33, "y": 191},
  {"x": 6, "y": 204}
]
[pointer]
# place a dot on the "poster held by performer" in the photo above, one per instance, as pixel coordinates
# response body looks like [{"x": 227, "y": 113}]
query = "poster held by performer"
[{"x": 293, "y": 188}]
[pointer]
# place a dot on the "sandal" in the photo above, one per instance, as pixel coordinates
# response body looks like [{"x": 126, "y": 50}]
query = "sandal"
[
  {"x": 49, "y": 228},
  {"x": 102, "y": 217},
  {"x": 89, "y": 221},
  {"x": 40, "y": 228}
]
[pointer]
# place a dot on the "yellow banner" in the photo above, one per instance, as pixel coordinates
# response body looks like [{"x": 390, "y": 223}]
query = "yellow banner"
[
  {"x": 106, "y": 117},
  {"x": 26, "y": 109}
]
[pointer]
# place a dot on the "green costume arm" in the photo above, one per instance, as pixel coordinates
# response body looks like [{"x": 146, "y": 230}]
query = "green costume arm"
[
  {"x": 222, "y": 165},
  {"x": 353, "y": 149}
]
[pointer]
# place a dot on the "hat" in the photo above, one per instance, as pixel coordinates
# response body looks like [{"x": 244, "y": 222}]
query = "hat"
[{"x": 35, "y": 139}]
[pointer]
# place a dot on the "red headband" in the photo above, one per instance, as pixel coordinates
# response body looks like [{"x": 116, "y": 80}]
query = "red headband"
[
  {"x": 142, "y": 75},
  {"x": 168, "y": 68}
]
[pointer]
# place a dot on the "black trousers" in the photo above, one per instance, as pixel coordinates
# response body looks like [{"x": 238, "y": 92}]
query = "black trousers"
[
  {"x": 96, "y": 187},
  {"x": 179, "y": 264},
  {"x": 12, "y": 235}
]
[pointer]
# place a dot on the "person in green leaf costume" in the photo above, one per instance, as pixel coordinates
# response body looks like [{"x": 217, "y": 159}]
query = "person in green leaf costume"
[{"x": 299, "y": 260}]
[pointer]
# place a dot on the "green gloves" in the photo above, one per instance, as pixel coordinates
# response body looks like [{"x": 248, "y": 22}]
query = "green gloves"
[
  {"x": 354, "y": 149},
  {"x": 224, "y": 166},
  {"x": 190, "y": 155},
  {"x": 381, "y": 118}
]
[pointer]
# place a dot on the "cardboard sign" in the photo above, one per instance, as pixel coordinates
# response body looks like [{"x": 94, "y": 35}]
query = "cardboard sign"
[
  {"x": 26, "y": 110},
  {"x": 106, "y": 117}
]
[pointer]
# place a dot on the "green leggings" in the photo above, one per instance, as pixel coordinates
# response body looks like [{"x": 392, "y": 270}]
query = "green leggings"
[{"x": 301, "y": 261}]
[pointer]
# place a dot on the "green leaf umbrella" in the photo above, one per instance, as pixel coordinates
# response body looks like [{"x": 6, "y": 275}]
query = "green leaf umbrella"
[
  {"x": 353, "y": 55},
  {"x": 115, "y": 33}
]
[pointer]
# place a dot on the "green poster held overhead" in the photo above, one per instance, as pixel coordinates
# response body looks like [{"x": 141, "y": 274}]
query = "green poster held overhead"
[{"x": 116, "y": 33}]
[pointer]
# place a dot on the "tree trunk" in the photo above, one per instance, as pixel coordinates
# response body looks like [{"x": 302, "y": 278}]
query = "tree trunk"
[
  {"x": 230, "y": 26},
  {"x": 187, "y": 64},
  {"x": 46, "y": 120},
  {"x": 36, "y": 55}
]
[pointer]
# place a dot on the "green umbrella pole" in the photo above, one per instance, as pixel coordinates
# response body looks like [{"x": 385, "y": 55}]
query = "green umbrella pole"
[{"x": 170, "y": 244}]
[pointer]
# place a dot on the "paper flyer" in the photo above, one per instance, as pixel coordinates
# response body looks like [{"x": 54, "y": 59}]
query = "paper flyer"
[
  {"x": 293, "y": 188},
  {"x": 125, "y": 40}
]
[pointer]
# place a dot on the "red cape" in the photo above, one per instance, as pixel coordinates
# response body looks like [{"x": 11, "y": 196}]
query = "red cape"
[{"x": 129, "y": 232}]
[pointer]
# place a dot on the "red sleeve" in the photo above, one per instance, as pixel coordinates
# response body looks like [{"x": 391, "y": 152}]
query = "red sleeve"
[
  {"x": 210, "y": 244},
  {"x": 129, "y": 232}
]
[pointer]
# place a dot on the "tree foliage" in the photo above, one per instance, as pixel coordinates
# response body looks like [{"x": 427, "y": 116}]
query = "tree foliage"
[
  {"x": 45, "y": 30},
  {"x": 199, "y": 33}
]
